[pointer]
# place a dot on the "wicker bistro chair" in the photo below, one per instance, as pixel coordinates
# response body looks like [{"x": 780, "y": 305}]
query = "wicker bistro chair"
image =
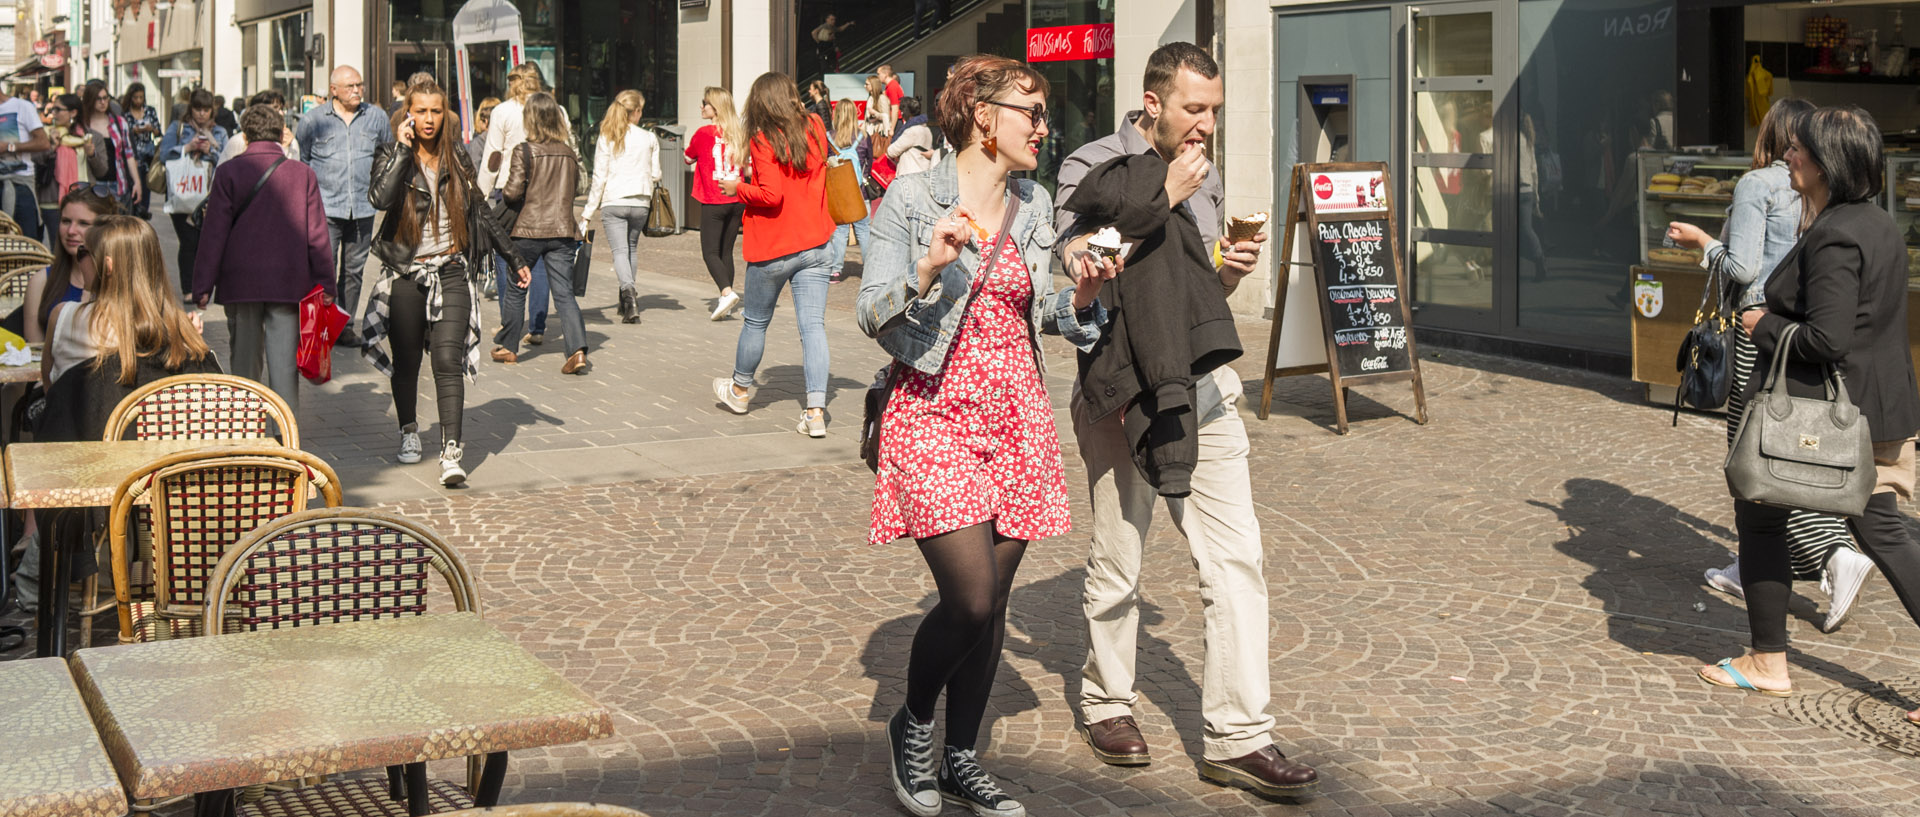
[
  {"x": 8, "y": 226},
  {"x": 203, "y": 407},
  {"x": 20, "y": 259},
  {"x": 183, "y": 407},
  {"x": 199, "y": 504},
  {"x": 329, "y": 565}
]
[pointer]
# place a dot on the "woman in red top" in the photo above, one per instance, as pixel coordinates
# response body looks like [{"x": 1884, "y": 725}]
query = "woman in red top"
[
  {"x": 714, "y": 151},
  {"x": 787, "y": 228}
]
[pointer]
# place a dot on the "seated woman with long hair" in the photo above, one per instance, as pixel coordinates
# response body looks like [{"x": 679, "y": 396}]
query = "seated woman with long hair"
[
  {"x": 130, "y": 333},
  {"x": 68, "y": 278}
]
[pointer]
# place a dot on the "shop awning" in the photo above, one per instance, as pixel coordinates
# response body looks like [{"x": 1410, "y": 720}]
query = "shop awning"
[{"x": 27, "y": 70}]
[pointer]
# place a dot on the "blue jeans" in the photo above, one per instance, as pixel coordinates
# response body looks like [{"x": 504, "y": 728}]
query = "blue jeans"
[
  {"x": 808, "y": 271},
  {"x": 26, "y": 205},
  {"x": 558, "y": 254},
  {"x": 624, "y": 226},
  {"x": 536, "y": 294},
  {"x": 839, "y": 241}
]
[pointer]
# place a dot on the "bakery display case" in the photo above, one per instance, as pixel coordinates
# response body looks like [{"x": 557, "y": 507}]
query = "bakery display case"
[
  {"x": 1665, "y": 288},
  {"x": 1903, "y": 201},
  {"x": 1691, "y": 187}
]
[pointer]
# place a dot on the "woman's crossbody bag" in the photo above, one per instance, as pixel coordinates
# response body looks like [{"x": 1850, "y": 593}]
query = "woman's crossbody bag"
[{"x": 875, "y": 410}]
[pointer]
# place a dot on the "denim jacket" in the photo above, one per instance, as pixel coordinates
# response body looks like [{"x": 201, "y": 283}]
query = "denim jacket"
[
  {"x": 917, "y": 328},
  {"x": 341, "y": 154},
  {"x": 1762, "y": 225},
  {"x": 174, "y": 143}
]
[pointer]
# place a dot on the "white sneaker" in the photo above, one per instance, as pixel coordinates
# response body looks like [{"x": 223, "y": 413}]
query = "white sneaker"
[
  {"x": 1727, "y": 580},
  {"x": 409, "y": 444},
  {"x": 734, "y": 401},
  {"x": 451, "y": 474},
  {"x": 813, "y": 424},
  {"x": 1847, "y": 569},
  {"x": 725, "y": 307}
]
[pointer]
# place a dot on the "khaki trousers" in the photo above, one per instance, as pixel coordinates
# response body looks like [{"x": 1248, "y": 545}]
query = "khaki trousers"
[{"x": 1224, "y": 536}]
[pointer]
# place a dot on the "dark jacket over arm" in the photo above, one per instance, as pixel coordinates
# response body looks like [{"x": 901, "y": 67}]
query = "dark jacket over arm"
[
  {"x": 1845, "y": 284},
  {"x": 1170, "y": 318}
]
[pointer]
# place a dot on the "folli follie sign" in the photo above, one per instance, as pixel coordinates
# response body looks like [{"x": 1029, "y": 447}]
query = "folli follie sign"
[{"x": 1063, "y": 43}]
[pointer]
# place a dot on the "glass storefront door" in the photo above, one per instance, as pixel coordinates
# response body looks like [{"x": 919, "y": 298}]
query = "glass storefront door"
[{"x": 1459, "y": 131}]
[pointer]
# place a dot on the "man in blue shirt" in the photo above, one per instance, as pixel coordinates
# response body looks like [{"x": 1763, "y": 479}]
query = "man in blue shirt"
[{"x": 338, "y": 140}]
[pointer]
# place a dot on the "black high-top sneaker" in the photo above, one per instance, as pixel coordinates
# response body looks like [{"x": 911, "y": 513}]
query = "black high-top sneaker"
[
  {"x": 964, "y": 783},
  {"x": 912, "y": 761}
]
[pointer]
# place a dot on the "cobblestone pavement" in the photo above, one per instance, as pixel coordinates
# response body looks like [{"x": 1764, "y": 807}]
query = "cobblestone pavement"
[{"x": 1496, "y": 613}]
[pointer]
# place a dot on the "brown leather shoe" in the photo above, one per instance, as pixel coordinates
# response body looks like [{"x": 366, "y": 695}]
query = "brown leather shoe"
[
  {"x": 576, "y": 363},
  {"x": 501, "y": 355},
  {"x": 1266, "y": 772},
  {"x": 1117, "y": 741}
]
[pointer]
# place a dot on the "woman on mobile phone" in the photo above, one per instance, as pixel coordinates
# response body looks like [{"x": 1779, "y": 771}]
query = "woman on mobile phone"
[
  {"x": 435, "y": 230},
  {"x": 197, "y": 136}
]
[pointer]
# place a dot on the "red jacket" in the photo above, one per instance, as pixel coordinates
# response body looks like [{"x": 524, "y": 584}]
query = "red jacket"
[{"x": 786, "y": 211}]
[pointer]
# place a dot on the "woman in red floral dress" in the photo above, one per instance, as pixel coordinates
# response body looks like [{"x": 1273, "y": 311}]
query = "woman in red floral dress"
[{"x": 969, "y": 458}]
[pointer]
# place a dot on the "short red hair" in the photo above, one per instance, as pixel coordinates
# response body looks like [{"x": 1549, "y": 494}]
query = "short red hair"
[{"x": 976, "y": 79}]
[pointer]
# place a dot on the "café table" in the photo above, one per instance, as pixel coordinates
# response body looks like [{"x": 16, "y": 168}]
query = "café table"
[
  {"x": 53, "y": 764},
  {"x": 212, "y": 714},
  {"x": 79, "y": 475},
  {"x": 23, "y": 374}
]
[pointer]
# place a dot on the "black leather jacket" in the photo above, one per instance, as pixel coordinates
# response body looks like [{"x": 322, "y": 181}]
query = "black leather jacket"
[{"x": 394, "y": 171}]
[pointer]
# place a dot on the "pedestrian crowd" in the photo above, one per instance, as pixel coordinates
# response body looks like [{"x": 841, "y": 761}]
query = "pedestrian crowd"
[{"x": 957, "y": 287}]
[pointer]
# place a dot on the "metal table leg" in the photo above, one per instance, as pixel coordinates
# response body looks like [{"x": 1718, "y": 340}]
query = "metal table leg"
[{"x": 491, "y": 776}]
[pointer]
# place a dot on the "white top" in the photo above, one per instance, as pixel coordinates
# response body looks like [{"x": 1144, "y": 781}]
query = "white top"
[
  {"x": 914, "y": 151},
  {"x": 625, "y": 178},
  {"x": 237, "y": 144},
  {"x": 506, "y": 129},
  {"x": 437, "y": 236},
  {"x": 72, "y": 343},
  {"x": 18, "y": 120}
]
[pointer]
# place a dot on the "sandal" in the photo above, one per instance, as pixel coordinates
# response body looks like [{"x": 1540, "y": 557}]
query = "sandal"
[
  {"x": 1911, "y": 719},
  {"x": 1740, "y": 681}
]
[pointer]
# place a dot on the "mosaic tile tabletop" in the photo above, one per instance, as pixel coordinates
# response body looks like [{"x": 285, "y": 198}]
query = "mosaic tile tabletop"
[
  {"x": 84, "y": 474},
  {"x": 220, "y": 712},
  {"x": 53, "y": 764},
  {"x": 23, "y": 374}
]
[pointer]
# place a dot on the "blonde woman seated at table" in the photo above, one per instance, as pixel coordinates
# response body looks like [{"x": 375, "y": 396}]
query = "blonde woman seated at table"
[{"x": 130, "y": 333}]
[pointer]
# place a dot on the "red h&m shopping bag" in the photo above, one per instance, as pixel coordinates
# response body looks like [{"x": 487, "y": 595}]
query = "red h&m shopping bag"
[{"x": 320, "y": 325}]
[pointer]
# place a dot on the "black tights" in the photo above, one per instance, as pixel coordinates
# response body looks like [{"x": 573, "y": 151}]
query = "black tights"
[
  {"x": 719, "y": 226},
  {"x": 1766, "y": 572},
  {"x": 957, "y": 647},
  {"x": 445, "y": 340}
]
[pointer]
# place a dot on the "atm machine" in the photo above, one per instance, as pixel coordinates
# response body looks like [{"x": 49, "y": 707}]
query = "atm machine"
[{"x": 1326, "y": 119}]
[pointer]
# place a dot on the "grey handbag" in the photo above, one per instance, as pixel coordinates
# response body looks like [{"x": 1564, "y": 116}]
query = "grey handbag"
[{"x": 1799, "y": 452}]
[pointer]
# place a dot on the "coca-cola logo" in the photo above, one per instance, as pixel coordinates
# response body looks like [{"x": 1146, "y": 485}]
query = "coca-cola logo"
[{"x": 1323, "y": 187}]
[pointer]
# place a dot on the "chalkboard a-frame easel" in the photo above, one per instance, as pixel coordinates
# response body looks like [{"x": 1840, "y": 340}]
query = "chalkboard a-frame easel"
[{"x": 1361, "y": 286}]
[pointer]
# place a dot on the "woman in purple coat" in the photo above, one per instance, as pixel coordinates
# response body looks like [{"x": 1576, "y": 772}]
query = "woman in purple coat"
[{"x": 263, "y": 247}]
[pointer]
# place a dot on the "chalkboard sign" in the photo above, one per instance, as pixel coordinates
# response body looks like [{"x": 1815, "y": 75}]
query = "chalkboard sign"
[
  {"x": 1364, "y": 312},
  {"x": 1347, "y": 215}
]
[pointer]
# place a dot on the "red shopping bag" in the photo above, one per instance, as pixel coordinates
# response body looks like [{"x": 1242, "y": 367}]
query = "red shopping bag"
[
  {"x": 883, "y": 171},
  {"x": 320, "y": 325}
]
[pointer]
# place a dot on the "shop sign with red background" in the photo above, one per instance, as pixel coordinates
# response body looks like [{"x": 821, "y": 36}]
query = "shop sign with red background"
[{"x": 1059, "y": 43}]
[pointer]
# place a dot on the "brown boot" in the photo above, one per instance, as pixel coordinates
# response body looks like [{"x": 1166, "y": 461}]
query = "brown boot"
[
  {"x": 576, "y": 363},
  {"x": 501, "y": 355},
  {"x": 1117, "y": 741},
  {"x": 1266, "y": 772}
]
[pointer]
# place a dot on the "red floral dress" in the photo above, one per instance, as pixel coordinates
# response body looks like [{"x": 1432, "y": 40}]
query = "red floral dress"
[{"x": 977, "y": 441}]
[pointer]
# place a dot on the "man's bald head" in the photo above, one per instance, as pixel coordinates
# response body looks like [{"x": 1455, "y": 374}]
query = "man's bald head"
[{"x": 346, "y": 87}]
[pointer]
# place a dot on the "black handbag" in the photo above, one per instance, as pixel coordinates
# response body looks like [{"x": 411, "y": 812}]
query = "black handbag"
[
  {"x": 1705, "y": 361},
  {"x": 582, "y": 258},
  {"x": 1806, "y": 453}
]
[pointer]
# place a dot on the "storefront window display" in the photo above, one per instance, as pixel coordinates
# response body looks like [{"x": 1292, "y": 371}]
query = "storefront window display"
[
  {"x": 1082, "y": 103},
  {"x": 1596, "y": 84},
  {"x": 589, "y": 50},
  {"x": 287, "y": 56}
]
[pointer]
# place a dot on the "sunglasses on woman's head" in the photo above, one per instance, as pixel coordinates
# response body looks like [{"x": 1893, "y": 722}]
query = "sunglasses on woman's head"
[
  {"x": 1037, "y": 111},
  {"x": 105, "y": 190}
]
